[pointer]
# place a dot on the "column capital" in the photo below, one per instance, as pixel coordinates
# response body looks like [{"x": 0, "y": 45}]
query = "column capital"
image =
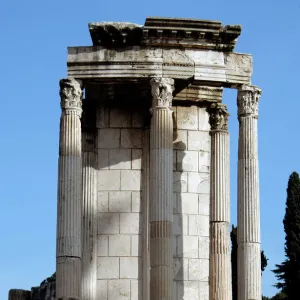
[
  {"x": 247, "y": 100},
  {"x": 218, "y": 116},
  {"x": 162, "y": 92},
  {"x": 71, "y": 95}
]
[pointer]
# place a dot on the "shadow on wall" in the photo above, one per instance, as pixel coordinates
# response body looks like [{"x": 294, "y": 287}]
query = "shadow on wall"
[
  {"x": 191, "y": 204},
  {"x": 179, "y": 180},
  {"x": 119, "y": 201},
  {"x": 122, "y": 177}
]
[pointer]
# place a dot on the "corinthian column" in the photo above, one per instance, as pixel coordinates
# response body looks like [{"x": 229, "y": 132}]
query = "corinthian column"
[
  {"x": 248, "y": 235},
  {"x": 161, "y": 182},
  {"x": 89, "y": 228},
  {"x": 68, "y": 242},
  {"x": 220, "y": 260}
]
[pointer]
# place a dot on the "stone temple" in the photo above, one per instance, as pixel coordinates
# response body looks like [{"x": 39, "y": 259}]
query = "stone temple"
[{"x": 143, "y": 184}]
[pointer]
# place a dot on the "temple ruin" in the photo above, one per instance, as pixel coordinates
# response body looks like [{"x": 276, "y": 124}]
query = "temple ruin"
[{"x": 143, "y": 184}]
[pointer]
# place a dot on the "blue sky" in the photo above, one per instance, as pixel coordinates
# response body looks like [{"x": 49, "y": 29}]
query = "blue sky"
[{"x": 34, "y": 39}]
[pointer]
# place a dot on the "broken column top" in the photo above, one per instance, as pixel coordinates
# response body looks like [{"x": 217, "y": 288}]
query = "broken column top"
[{"x": 166, "y": 32}]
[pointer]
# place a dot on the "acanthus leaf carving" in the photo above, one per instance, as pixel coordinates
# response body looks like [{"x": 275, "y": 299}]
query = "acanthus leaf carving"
[
  {"x": 247, "y": 101},
  {"x": 218, "y": 116},
  {"x": 71, "y": 95},
  {"x": 162, "y": 92}
]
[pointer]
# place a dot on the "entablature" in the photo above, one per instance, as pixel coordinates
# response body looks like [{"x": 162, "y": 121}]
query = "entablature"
[{"x": 226, "y": 69}]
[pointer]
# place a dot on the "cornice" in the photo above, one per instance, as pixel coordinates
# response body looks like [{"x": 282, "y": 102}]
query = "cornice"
[
  {"x": 190, "y": 33},
  {"x": 115, "y": 34},
  {"x": 166, "y": 32}
]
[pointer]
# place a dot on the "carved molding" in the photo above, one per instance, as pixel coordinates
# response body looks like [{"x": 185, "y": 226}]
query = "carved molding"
[
  {"x": 205, "y": 67},
  {"x": 113, "y": 34},
  {"x": 71, "y": 95},
  {"x": 247, "y": 101},
  {"x": 162, "y": 92},
  {"x": 218, "y": 116},
  {"x": 166, "y": 32}
]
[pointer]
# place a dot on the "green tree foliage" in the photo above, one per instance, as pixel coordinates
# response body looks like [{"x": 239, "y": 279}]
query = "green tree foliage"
[
  {"x": 264, "y": 261},
  {"x": 288, "y": 272},
  {"x": 279, "y": 296},
  {"x": 234, "y": 246}
]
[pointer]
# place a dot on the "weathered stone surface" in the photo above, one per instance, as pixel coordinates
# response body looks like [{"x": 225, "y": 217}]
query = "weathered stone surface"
[
  {"x": 89, "y": 221},
  {"x": 145, "y": 215},
  {"x": 194, "y": 33},
  {"x": 224, "y": 69},
  {"x": 120, "y": 203},
  {"x": 238, "y": 68},
  {"x": 199, "y": 93},
  {"x": 220, "y": 260},
  {"x": 143, "y": 199},
  {"x": 249, "y": 265},
  {"x": 161, "y": 191},
  {"x": 115, "y": 33},
  {"x": 69, "y": 214},
  {"x": 167, "y": 32}
]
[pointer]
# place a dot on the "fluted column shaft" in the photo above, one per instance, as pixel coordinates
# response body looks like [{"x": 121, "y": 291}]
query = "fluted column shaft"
[
  {"x": 248, "y": 234},
  {"x": 68, "y": 242},
  {"x": 145, "y": 212},
  {"x": 220, "y": 260},
  {"x": 161, "y": 191},
  {"x": 89, "y": 210}
]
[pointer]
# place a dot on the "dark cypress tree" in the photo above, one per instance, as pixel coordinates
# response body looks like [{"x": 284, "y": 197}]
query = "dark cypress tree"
[
  {"x": 264, "y": 261},
  {"x": 288, "y": 272},
  {"x": 234, "y": 274},
  {"x": 279, "y": 296}
]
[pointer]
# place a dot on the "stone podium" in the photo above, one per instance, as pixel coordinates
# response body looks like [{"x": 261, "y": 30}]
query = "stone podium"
[{"x": 143, "y": 184}]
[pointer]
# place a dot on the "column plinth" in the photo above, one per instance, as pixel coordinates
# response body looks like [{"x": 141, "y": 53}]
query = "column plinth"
[
  {"x": 220, "y": 260},
  {"x": 161, "y": 191},
  {"x": 68, "y": 242},
  {"x": 248, "y": 229}
]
